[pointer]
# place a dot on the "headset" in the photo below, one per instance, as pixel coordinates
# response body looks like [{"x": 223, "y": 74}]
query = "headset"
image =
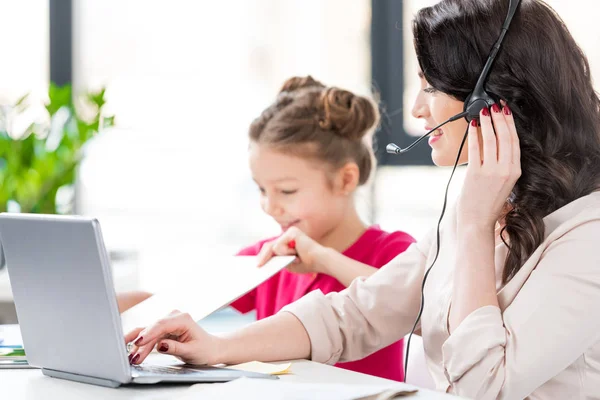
[{"x": 474, "y": 103}]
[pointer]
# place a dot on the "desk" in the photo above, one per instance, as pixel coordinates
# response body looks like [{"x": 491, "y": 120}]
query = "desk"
[{"x": 28, "y": 384}]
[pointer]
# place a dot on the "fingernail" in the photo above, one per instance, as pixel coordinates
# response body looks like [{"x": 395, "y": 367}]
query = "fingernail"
[
  {"x": 292, "y": 244},
  {"x": 485, "y": 112},
  {"x": 507, "y": 110},
  {"x": 130, "y": 357},
  {"x": 163, "y": 347},
  {"x": 138, "y": 340},
  {"x": 495, "y": 108},
  {"x": 474, "y": 123},
  {"x": 135, "y": 359}
]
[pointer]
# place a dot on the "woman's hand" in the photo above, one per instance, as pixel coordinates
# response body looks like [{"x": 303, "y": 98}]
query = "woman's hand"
[
  {"x": 294, "y": 242},
  {"x": 492, "y": 172},
  {"x": 178, "y": 335}
]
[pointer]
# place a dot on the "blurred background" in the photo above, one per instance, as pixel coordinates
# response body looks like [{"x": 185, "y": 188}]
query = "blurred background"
[{"x": 183, "y": 79}]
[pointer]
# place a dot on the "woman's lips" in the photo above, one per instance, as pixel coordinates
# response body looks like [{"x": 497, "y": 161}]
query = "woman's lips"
[{"x": 435, "y": 136}]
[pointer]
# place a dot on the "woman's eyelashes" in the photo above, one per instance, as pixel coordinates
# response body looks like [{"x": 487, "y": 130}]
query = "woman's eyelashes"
[{"x": 427, "y": 88}]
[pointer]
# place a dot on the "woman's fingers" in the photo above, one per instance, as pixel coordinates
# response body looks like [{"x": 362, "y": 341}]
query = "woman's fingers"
[
  {"x": 141, "y": 353},
  {"x": 129, "y": 337},
  {"x": 473, "y": 145},
  {"x": 184, "y": 351},
  {"x": 490, "y": 150},
  {"x": 515, "y": 144},
  {"x": 175, "y": 325},
  {"x": 503, "y": 137}
]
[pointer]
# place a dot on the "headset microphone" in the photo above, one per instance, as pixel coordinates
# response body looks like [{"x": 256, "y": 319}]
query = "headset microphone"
[{"x": 393, "y": 148}]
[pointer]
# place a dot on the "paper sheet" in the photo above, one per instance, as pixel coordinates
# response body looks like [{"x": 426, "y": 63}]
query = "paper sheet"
[
  {"x": 228, "y": 279},
  {"x": 261, "y": 389},
  {"x": 263, "y": 368}
]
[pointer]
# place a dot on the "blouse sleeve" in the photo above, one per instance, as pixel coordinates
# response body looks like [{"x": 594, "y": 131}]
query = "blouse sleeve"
[{"x": 553, "y": 320}]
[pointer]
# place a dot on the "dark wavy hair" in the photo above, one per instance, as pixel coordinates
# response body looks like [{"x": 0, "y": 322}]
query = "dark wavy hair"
[{"x": 545, "y": 78}]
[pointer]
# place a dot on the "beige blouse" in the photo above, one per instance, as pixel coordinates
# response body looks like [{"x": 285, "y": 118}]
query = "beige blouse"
[{"x": 542, "y": 343}]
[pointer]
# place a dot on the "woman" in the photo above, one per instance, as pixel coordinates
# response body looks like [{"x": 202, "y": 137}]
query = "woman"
[{"x": 511, "y": 306}]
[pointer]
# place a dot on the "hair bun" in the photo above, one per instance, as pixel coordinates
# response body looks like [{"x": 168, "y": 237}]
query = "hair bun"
[
  {"x": 346, "y": 114},
  {"x": 300, "y": 82}
]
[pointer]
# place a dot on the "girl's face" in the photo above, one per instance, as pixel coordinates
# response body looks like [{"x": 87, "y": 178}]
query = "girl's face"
[
  {"x": 434, "y": 108},
  {"x": 297, "y": 191}
]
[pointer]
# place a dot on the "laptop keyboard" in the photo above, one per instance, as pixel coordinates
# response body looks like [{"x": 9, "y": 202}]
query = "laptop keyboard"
[{"x": 158, "y": 370}]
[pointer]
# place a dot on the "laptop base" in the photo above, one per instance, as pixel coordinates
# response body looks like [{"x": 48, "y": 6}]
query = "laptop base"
[{"x": 80, "y": 378}]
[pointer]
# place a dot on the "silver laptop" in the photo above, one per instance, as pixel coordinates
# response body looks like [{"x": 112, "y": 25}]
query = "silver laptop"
[{"x": 66, "y": 305}]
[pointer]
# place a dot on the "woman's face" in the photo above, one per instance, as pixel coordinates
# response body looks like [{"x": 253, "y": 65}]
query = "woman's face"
[{"x": 434, "y": 108}]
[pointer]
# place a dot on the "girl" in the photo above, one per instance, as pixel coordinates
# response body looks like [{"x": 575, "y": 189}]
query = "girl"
[
  {"x": 511, "y": 305},
  {"x": 309, "y": 151}
]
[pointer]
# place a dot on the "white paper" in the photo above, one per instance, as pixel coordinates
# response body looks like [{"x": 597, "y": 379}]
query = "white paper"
[
  {"x": 225, "y": 281},
  {"x": 261, "y": 389}
]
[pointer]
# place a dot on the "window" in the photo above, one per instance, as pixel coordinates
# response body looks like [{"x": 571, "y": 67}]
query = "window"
[{"x": 24, "y": 29}]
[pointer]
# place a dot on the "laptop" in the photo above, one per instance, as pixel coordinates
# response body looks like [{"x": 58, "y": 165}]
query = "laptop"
[{"x": 67, "y": 309}]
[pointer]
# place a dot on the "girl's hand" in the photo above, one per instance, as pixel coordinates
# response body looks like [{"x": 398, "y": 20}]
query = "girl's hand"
[
  {"x": 294, "y": 242},
  {"x": 491, "y": 173},
  {"x": 178, "y": 335}
]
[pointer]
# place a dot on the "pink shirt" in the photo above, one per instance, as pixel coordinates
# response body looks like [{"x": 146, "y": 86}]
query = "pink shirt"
[{"x": 376, "y": 248}]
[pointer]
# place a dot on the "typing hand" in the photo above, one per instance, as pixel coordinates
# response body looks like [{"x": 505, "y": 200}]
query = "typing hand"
[
  {"x": 294, "y": 242},
  {"x": 178, "y": 335}
]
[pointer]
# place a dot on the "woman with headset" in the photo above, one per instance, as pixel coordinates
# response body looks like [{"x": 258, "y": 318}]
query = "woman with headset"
[{"x": 512, "y": 307}]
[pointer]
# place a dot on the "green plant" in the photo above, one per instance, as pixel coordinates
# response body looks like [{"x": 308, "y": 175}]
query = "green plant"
[{"x": 37, "y": 163}]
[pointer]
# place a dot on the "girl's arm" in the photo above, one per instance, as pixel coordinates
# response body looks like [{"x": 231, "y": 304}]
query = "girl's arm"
[
  {"x": 126, "y": 300},
  {"x": 342, "y": 268}
]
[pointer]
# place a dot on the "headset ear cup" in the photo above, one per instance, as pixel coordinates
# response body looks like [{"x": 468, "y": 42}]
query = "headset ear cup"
[{"x": 475, "y": 102}]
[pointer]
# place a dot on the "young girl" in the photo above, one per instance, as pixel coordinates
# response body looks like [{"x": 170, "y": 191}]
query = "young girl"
[{"x": 309, "y": 151}]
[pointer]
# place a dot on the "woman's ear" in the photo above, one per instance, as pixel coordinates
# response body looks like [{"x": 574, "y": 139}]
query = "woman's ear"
[{"x": 347, "y": 178}]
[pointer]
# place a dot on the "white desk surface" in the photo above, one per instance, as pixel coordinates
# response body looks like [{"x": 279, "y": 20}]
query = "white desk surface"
[{"x": 25, "y": 384}]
